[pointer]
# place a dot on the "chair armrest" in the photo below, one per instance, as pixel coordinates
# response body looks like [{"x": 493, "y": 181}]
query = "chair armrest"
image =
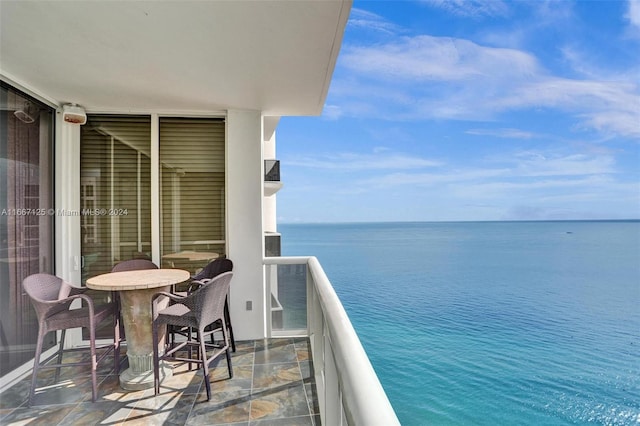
[
  {"x": 172, "y": 296},
  {"x": 154, "y": 301},
  {"x": 67, "y": 301},
  {"x": 81, "y": 296},
  {"x": 77, "y": 290},
  {"x": 196, "y": 284}
]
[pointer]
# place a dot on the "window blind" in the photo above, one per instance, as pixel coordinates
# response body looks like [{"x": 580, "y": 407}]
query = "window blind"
[
  {"x": 192, "y": 158},
  {"x": 115, "y": 191}
]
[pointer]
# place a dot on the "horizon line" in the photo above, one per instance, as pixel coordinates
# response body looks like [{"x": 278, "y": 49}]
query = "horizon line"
[{"x": 456, "y": 221}]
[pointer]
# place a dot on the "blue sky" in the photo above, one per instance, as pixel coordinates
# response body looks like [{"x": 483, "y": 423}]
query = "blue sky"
[{"x": 448, "y": 110}]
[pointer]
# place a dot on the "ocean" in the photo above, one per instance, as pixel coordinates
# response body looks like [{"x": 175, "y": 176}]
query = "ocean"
[{"x": 492, "y": 323}]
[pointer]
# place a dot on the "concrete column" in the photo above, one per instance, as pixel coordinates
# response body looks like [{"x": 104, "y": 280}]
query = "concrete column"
[
  {"x": 67, "y": 201},
  {"x": 244, "y": 219},
  {"x": 67, "y": 209}
]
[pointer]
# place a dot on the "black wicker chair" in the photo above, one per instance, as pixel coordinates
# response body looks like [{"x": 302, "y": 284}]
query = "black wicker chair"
[
  {"x": 134, "y": 265},
  {"x": 203, "y": 307},
  {"x": 212, "y": 270}
]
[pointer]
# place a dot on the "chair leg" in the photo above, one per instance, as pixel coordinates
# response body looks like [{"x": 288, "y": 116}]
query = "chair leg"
[
  {"x": 59, "y": 358},
  {"x": 227, "y": 318},
  {"x": 205, "y": 363},
  {"x": 189, "y": 349},
  {"x": 156, "y": 359},
  {"x": 225, "y": 338},
  {"x": 36, "y": 363},
  {"x": 94, "y": 360}
]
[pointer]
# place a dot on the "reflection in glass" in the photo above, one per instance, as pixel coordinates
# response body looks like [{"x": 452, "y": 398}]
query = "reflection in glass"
[
  {"x": 26, "y": 222},
  {"x": 192, "y": 191},
  {"x": 115, "y": 191}
]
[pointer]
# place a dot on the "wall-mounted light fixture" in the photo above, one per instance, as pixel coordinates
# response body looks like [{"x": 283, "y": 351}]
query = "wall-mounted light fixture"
[
  {"x": 27, "y": 113},
  {"x": 74, "y": 114}
]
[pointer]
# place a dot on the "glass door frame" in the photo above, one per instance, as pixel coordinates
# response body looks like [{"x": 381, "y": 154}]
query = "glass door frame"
[
  {"x": 33, "y": 222},
  {"x": 70, "y": 184}
]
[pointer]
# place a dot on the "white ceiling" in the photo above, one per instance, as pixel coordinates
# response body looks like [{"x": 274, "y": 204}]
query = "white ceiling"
[{"x": 179, "y": 56}]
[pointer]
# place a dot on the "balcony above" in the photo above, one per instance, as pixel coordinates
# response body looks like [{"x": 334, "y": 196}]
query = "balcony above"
[{"x": 272, "y": 182}]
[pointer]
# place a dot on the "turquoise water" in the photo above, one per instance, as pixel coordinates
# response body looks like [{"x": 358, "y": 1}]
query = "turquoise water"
[{"x": 492, "y": 323}]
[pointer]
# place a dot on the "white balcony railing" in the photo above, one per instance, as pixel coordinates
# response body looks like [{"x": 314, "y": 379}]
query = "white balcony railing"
[{"x": 304, "y": 303}]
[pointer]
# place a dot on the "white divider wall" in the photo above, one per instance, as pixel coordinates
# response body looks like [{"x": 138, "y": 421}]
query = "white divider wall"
[
  {"x": 67, "y": 199},
  {"x": 244, "y": 219}
]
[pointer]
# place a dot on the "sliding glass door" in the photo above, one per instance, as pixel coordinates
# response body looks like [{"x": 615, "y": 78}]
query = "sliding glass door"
[
  {"x": 115, "y": 195},
  {"x": 115, "y": 167},
  {"x": 26, "y": 218},
  {"x": 192, "y": 191},
  {"x": 115, "y": 191}
]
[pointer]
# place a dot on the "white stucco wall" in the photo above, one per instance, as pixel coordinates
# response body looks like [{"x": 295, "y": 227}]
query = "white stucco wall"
[
  {"x": 67, "y": 199},
  {"x": 244, "y": 218}
]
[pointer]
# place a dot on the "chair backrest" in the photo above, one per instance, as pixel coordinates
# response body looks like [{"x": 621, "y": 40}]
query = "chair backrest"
[
  {"x": 207, "y": 302},
  {"x": 214, "y": 268},
  {"x": 43, "y": 289},
  {"x": 134, "y": 265}
]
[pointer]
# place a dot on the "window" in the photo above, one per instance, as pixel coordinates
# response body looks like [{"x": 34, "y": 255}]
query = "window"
[
  {"x": 115, "y": 191},
  {"x": 192, "y": 191}
]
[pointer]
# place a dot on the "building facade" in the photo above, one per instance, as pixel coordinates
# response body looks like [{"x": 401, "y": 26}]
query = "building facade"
[{"x": 182, "y": 102}]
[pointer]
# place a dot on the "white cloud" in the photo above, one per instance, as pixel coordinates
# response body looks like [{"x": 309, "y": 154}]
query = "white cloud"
[
  {"x": 472, "y": 8},
  {"x": 502, "y": 133},
  {"x": 427, "y": 58},
  {"x": 447, "y": 78},
  {"x": 370, "y": 21},
  {"x": 381, "y": 159},
  {"x": 623, "y": 122},
  {"x": 435, "y": 179},
  {"x": 534, "y": 164},
  {"x": 540, "y": 189},
  {"x": 575, "y": 94},
  {"x": 608, "y": 106},
  {"x": 517, "y": 171},
  {"x": 332, "y": 112},
  {"x": 633, "y": 12}
]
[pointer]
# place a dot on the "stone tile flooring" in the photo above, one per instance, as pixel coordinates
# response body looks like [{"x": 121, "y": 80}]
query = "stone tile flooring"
[{"x": 272, "y": 385}]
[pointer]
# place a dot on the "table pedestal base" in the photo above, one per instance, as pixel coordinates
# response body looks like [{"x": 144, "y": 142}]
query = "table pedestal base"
[
  {"x": 133, "y": 380},
  {"x": 136, "y": 313}
]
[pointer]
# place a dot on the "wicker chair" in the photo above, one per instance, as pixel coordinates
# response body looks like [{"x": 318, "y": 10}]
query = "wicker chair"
[
  {"x": 130, "y": 265},
  {"x": 212, "y": 270},
  {"x": 134, "y": 265},
  {"x": 202, "y": 307},
  {"x": 51, "y": 298}
]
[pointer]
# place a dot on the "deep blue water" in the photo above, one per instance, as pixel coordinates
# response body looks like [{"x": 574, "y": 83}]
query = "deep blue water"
[{"x": 492, "y": 323}]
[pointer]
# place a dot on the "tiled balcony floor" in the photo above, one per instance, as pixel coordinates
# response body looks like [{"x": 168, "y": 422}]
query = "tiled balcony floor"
[{"x": 272, "y": 385}]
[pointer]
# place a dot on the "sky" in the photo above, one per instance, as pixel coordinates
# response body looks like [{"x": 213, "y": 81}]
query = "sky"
[{"x": 472, "y": 110}]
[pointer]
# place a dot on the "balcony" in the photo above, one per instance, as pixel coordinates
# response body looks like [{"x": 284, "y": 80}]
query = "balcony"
[
  {"x": 348, "y": 389},
  {"x": 272, "y": 182},
  {"x": 311, "y": 370}
]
